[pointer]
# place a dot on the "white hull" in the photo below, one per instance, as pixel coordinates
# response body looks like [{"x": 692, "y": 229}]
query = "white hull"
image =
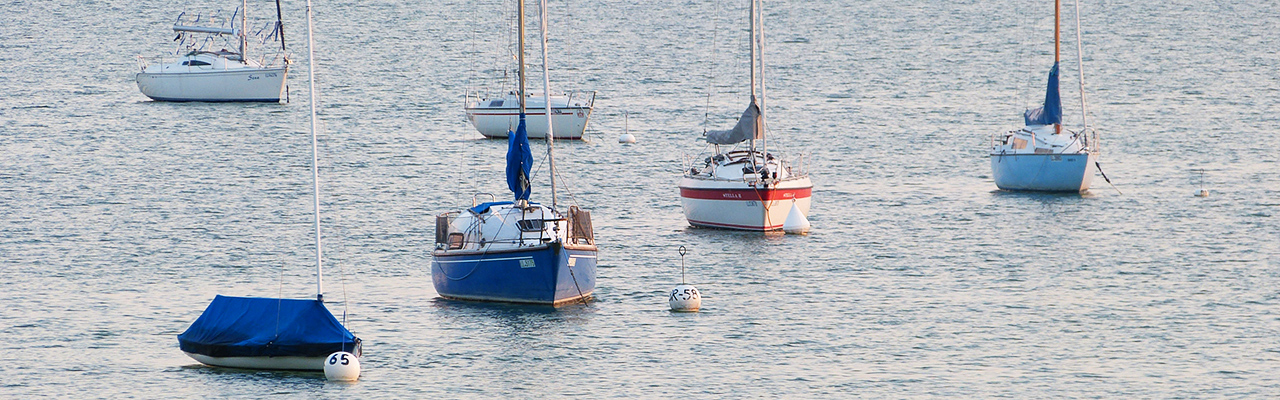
[
  {"x": 569, "y": 123},
  {"x": 241, "y": 84},
  {"x": 272, "y": 363},
  {"x": 734, "y": 204}
]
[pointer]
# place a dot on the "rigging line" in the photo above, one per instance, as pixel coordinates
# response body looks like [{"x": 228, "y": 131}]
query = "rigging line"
[{"x": 711, "y": 71}]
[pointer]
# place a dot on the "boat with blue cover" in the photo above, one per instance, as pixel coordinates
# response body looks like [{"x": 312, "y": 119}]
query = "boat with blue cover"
[
  {"x": 517, "y": 251},
  {"x": 274, "y": 333},
  {"x": 1041, "y": 156}
]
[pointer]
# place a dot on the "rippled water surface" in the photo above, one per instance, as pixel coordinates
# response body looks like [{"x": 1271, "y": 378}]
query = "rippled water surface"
[{"x": 121, "y": 218}]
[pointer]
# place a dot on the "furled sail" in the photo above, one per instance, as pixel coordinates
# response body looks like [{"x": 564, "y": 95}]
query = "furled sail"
[
  {"x": 1051, "y": 112},
  {"x": 519, "y": 161},
  {"x": 745, "y": 129}
]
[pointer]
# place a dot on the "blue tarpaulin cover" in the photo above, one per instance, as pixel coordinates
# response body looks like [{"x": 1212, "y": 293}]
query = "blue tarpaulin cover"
[
  {"x": 258, "y": 327},
  {"x": 519, "y": 160},
  {"x": 1051, "y": 111}
]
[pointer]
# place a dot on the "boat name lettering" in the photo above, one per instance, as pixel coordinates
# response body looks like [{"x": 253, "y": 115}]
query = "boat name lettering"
[
  {"x": 253, "y": 77},
  {"x": 733, "y": 195}
]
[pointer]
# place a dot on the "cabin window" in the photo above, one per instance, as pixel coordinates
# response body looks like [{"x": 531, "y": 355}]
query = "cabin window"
[
  {"x": 194, "y": 63},
  {"x": 495, "y": 103},
  {"x": 529, "y": 225},
  {"x": 456, "y": 240},
  {"x": 1019, "y": 144}
]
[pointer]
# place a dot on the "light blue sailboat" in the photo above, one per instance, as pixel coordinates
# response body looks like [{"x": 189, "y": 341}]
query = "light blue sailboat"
[{"x": 1041, "y": 156}]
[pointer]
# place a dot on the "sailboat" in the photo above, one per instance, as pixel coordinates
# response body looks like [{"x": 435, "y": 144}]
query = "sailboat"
[
  {"x": 495, "y": 116},
  {"x": 221, "y": 75},
  {"x": 1041, "y": 156},
  {"x": 273, "y": 333},
  {"x": 747, "y": 189},
  {"x": 517, "y": 251}
]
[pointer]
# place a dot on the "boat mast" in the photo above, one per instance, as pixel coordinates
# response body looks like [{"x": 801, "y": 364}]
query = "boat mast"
[
  {"x": 520, "y": 45},
  {"x": 752, "y": 41},
  {"x": 315, "y": 158},
  {"x": 1057, "y": 46},
  {"x": 244, "y": 38},
  {"x": 1084, "y": 122},
  {"x": 546, "y": 100},
  {"x": 763, "y": 94}
]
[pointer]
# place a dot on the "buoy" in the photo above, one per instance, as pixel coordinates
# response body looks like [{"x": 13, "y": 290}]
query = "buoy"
[
  {"x": 342, "y": 367},
  {"x": 626, "y": 137},
  {"x": 796, "y": 222},
  {"x": 685, "y": 297}
]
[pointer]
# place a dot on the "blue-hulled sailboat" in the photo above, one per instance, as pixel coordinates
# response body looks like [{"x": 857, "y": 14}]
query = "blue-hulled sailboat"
[
  {"x": 517, "y": 251},
  {"x": 273, "y": 333},
  {"x": 1041, "y": 156}
]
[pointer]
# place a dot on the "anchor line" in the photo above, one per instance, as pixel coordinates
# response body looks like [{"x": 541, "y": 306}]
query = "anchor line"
[
  {"x": 581, "y": 297},
  {"x": 1104, "y": 176}
]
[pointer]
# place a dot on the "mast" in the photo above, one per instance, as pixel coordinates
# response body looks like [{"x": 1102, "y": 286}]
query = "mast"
[
  {"x": 244, "y": 38},
  {"x": 752, "y": 41},
  {"x": 315, "y": 158},
  {"x": 1057, "y": 45},
  {"x": 1084, "y": 122},
  {"x": 520, "y": 21},
  {"x": 763, "y": 94},
  {"x": 546, "y": 102}
]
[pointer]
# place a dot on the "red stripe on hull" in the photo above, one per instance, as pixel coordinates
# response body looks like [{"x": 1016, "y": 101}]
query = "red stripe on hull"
[
  {"x": 772, "y": 194},
  {"x": 732, "y": 226}
]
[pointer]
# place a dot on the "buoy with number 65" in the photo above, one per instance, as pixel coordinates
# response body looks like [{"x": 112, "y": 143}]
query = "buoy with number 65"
[
  {"x": 685, "y": 297},
  {"x": 342, "y": 367}
]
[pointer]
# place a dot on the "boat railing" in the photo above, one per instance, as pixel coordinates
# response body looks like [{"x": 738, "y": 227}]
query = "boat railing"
[
  {"x": 475, "y": 198},
  {"x": 591, "y": 103}
]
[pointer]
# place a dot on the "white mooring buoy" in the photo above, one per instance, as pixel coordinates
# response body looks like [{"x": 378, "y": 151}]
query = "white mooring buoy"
[
  {"x": 1202, "y": 192},
  {"x": 796, "y": 222},
  {"x": 342, "y": 367},
  {"x": 685, "y": 297},
  {"x": 626, "y": 137}
]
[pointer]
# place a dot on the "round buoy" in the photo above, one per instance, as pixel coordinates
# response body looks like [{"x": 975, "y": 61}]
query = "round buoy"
[
  {"x": 685, "y": 298},
  {"x": 1202, "y": 193},
  {"x": 796, "y": 222},
  {"x": 627, "y": 138},
  {"x": 342, "y": 367}
]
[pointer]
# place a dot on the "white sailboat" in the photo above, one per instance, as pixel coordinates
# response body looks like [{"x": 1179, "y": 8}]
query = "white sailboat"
[
  {"x": 495, "y": 116},
  {"x": 214, "y": 75},
  {"x": 747, "y": 189},
  {"x": 1041, "y": 156},
  {"x": 517, "y": 251},
  {"x": 274, "y": 333}
]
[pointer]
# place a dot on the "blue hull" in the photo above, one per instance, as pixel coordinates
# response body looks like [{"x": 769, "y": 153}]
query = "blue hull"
[
  {"x": 1043, "y": 172},
  {"x": 548, "y": 274}
]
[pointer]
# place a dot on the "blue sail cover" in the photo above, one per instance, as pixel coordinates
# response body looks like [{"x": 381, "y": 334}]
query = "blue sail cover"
[
  {"x": 262, "y": 327},
  {"x": 1051, "y": 111},
  {"x": 519, "y": 161}
]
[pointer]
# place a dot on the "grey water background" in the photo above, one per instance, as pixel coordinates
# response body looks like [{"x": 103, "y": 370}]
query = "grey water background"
[{"x": 121, "y": 218}]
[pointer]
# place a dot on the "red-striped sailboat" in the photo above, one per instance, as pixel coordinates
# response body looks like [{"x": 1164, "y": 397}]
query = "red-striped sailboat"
[{"x": 747, "y": 188}]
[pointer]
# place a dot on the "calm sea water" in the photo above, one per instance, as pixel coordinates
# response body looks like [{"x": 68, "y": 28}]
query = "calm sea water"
[{"x": 121, "y": 218}]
